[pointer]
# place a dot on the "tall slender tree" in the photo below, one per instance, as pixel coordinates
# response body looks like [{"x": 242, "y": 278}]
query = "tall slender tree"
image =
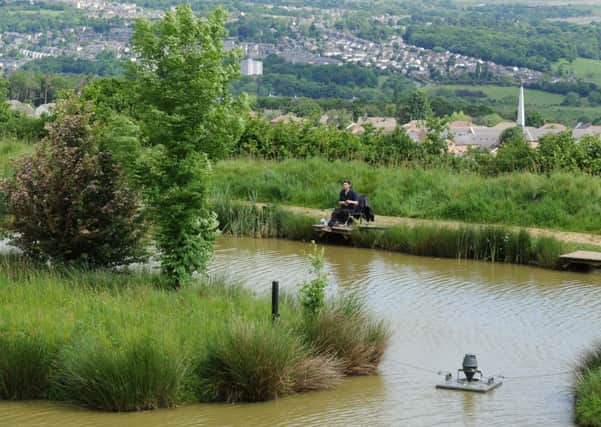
[{"x": 188, "y": 117}]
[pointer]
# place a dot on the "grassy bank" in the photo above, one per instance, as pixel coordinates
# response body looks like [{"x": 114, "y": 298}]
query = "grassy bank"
[
  {"x": 481, "y": 243},
  {"x": 11, "y": 149},
  {"x": 560, "y": 201},
  {"x": 588, "y": 389},
  {"x": 119, "y": 342}
]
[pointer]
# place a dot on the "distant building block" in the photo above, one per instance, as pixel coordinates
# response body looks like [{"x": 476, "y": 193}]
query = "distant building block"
[{"x": 251, "y": 67}]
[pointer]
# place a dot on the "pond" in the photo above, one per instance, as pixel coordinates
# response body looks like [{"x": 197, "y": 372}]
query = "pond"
[{"x": 527, "y": 324}]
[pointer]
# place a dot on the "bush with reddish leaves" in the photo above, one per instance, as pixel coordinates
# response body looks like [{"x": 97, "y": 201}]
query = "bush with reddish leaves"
[{"x": 69, "y": 201}]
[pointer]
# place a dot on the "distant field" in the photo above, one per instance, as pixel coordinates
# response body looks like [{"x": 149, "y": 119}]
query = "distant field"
[
  {"x": 588, "y": 70},
  {"x": 504, "y": 100},
  {"x": 507, "y": 94}
]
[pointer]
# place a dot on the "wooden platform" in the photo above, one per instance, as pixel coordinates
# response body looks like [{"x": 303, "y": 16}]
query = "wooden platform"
[
  {"x": 344, "y": 230},
  {"x": 589, "y": 258}
]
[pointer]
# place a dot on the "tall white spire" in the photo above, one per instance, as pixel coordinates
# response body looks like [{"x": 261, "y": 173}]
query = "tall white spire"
[{"x": 521, "y": 110}]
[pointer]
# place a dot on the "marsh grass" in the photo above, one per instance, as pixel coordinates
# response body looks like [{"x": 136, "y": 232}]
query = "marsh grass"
[
  {"x": 26, "y": 360},
  {"x": 248, "y": 219},
  {"x": 480, "y": 243},
  {"x": 113, "y": 374},
  {"x": 588, "y": 388},
  {"x": 250, "y": 362},
  {"x": 588, "y": 399},
  {"x": 117, "y": 342},
  {"x": 343, "y": 329}
]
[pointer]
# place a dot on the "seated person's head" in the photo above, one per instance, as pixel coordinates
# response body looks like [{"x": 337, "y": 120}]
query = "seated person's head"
[{"x": 346, "y": 184}]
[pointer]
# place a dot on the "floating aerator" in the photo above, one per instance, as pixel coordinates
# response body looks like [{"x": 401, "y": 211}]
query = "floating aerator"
[{"x": 469, "y": 383}]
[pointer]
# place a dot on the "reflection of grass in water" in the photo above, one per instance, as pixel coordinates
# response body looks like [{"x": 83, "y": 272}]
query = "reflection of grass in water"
[{"x": 121, "y": 342}]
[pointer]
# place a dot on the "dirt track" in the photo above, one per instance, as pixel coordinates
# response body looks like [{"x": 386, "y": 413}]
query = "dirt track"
[{"x": 567, "y": 236}]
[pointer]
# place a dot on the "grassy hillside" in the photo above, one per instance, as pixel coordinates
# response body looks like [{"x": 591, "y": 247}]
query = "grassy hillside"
[
  {"x": 589, "y": 70},
  {"x": 504, "y": 100}
]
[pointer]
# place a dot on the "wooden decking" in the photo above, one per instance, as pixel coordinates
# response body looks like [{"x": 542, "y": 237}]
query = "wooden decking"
[{"x": 590, "y": 258}]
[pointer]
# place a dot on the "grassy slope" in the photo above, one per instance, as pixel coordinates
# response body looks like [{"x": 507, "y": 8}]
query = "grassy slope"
[
  {"x": 589, "y": 70},
  {"x": 10, "y": 150},
  {"x": 562, "y": 201},
  {"x": 505, "y": 100},
  {"x": 508, "y": 94}
]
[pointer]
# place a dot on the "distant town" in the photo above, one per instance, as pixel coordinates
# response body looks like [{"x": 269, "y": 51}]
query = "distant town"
[{"x": 329, "y": 46}]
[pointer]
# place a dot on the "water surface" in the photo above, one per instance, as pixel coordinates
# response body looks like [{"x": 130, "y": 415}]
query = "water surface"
[{"x": 526, "y": 323}]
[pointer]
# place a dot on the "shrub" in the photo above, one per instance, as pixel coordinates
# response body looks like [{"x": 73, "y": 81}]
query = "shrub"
[
  {"x": 69, "y": 201},
  {"x": 312, "y": 295}
]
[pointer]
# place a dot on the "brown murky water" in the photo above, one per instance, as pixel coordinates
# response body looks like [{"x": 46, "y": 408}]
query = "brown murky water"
[{"x": 525, "y": 323}]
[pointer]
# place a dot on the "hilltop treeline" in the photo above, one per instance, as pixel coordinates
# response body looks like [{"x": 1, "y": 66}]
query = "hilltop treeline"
[{"x": 508, "y": 35}]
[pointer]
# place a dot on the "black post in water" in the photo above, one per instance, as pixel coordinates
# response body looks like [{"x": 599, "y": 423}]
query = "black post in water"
[{"x": 275, "y": 300}]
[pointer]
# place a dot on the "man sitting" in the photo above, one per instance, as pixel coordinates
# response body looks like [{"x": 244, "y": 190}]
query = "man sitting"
[{"x": 347, "y": 201}]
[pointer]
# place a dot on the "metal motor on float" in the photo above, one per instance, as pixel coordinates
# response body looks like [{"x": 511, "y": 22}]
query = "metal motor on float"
[{"x": 469, "y": 382}]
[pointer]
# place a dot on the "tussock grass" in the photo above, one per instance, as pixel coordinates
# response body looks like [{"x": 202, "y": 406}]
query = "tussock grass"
[
  {"x": 588, "y": 388},
  {"x": 558, "y": 201},
  {"x": 343, "y": 329},
  {"x": 25, "y": 364},
  {"x": 250, "y": 362},
  {"x": 118, "y": 342},
  {"x": 117, "y": 374}
]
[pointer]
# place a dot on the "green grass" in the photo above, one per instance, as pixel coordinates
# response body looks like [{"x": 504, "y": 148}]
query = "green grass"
[
  {"x": 560, "y": 201},
  {"x": 11, "y": 149},
  {"x": 588, "y": 388},
  {"x": 477, "y": 242},
  {"x": 507, "y": 94},
  {"x": 588, "y": 70},
  {"x": 504, "y": 99},
  {"x": 122, "y": 342}
]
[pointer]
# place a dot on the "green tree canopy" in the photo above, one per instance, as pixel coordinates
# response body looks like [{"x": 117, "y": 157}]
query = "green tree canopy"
[{"x": 187, "y": 118}]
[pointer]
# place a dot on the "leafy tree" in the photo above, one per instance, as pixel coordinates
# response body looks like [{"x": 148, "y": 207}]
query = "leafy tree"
[
  {"x": 187, "y": 118},
  {"x": 69, "y": 201},
  {"x": 4, "y": 112},
  {"x": 559, "y": 151},
  {"x": 436, "y": 143},
  {"x": 515, "y": 154},
  {"x": 511, "y": 134},
  {"x": 417, "y": 107},
  {"x": 572, "y": 99},
  {"x": 534, "y": 119}
]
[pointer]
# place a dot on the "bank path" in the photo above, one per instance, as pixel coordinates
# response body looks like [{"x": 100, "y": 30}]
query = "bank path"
[{"x": 387, "y": 221}]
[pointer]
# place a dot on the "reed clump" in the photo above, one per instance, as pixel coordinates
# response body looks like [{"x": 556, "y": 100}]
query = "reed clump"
[
  {"x": 250, "y": 362},
  {"x": 588, "y": 388},
  {"x": 344, "y": 330}
]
